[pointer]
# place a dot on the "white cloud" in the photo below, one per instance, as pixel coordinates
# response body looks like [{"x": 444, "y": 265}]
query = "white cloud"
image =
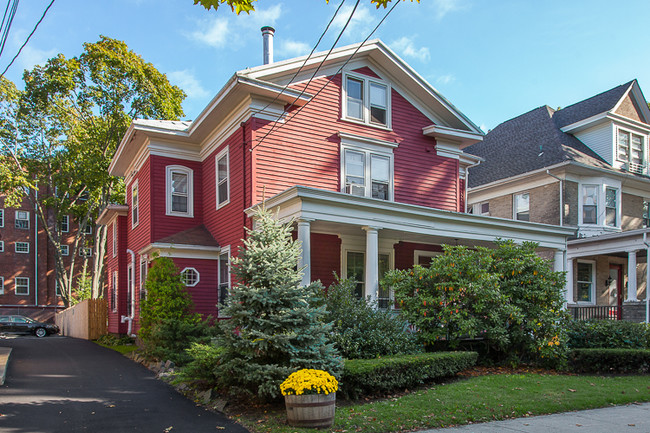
[
  {"x": 30, "y": 57},
  {"x": 360, "y": 23},
  {"x": 443, "y": 7},
  {"x": 406, "y": 47},
  {"x": 289, "y": 48},
  {"x": 445, "y": 79},
  {"x": 218, "y": 32},
  {"x": 186, "y": 80}
]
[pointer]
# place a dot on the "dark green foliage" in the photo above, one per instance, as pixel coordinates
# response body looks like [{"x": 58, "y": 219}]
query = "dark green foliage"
[
  {"x": 113, "y": 340},
  {"x": 610, "y": 361},
  {"x": 385, "y": 375},
  {"x": 508, "y": 296},
  {"x": 275, "y": 327},
  {"x": 363, "y": 331},
  {"x": 610, "y": 334},
  {"x": 202, "y": 367},
  {"x": 170, "y": 338}
]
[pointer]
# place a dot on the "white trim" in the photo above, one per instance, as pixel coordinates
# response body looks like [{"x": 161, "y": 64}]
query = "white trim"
[
  {"x": 181, "y": 251},
  {"x": 2, "y": 218},
  {"x": 224, "y": 153},
  {"x": 115, "y": 237},
  {"x": 65, "y": 250},
  {"x": 593, "y": 282},
  {"x": 2, "y": 246},
  {"x": 459, "y": 137},
  {"x": 374, "y": 144},
  {"x": 2, "y": 285},
  {"x": 514, "y": 205},
  {"x": 22, "y": 215},
  {"x": 198, "y": 276},
  {"x": 16, "y": 284},
  {"x": 21, "y": 247},
  {"x": 366, "y": 81},
  {"x": 143, "y": 271},
  {"x": 224, "y": 251},
  {"x": 135, "y": 204},
  {"x": 422, "y": 253},
  {"x": 65, "y": 221},
  {"x": 368, "y": 149},
  {"x": 169, "y": 171},
  {"x": 114, "y": 285}
]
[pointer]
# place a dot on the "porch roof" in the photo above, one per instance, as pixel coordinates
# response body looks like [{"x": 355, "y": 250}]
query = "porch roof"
[
  {"x": 623, "y": 242},
  {"x": 340, "y": 213}
]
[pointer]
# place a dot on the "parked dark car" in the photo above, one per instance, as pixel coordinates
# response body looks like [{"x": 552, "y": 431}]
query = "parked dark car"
[{"x": 26, "y": 325}]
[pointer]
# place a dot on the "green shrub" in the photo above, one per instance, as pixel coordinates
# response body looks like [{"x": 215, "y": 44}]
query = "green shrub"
[
  {"x": 610, "y": 334},
  {"x": 363, "y": 331},
  {"x": 169, "y": 339},
  {"x": 610, "y": 361},
  {"x": 385, "y": 375},
  {"x": 202, "y": 368},
  {"x": 114, "y": 340}
]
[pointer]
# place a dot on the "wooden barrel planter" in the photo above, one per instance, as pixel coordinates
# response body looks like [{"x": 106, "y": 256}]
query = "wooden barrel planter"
[{"x": 314, "y": 410}]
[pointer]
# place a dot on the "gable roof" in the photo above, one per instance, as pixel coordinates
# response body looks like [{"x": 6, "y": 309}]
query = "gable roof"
[
  {"x": 526, "y": 143},
  {"x": 601, "y": 103}
]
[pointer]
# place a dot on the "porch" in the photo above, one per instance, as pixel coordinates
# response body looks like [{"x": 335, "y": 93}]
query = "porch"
[{"x": 630, "y": 312}]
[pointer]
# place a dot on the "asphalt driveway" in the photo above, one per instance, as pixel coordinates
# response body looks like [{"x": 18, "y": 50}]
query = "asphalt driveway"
[{"x": 60, "y": 384}]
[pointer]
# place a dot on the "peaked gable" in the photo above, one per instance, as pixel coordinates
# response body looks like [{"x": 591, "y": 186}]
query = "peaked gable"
[
  {"x": 630, "y": 109},
  {"x": 601, "y": 103}
]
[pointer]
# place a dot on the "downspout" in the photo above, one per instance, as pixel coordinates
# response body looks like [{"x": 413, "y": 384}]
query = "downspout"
[
  {"x": 243, "y": 143},
  {"x": 35, "y": 247},
  {"x": 467, "y": 182},
  {"x": 131, "y": 317},
  {"x": 647, "y": 278},
  {"x": 561, "y": 196}
]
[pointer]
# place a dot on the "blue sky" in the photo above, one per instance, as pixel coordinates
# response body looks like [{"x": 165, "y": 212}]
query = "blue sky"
[{"x": 493, "y": 59}]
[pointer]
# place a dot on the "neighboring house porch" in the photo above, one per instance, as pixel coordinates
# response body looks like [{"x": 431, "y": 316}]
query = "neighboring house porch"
[{"x": 609, "y": 274}]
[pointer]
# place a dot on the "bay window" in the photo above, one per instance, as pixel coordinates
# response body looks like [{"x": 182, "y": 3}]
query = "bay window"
[
  {"x": 590, "y": 204},
  {"x": 610, "y": 207}
]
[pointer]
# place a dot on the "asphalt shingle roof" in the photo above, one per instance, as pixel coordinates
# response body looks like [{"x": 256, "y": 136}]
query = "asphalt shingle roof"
[
  {"x": 534, "y": 140},
  {"x": 198, "y": 235}
]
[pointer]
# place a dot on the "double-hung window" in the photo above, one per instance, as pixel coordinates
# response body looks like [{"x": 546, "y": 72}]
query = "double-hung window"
[
  {"x": 521, "y": 207},
  {"x": 2, "y": 285},
  {"x": 646, "y": 214},
  {"x": 585, "y": 282},
  {"x": 135, "y": 210},
  {"x": 114, "y": 238},
  {"x": 611, "y": 207},
  {"x": 65, "y": 224},
  {"x": 22, "y": 219},
  {"x": 224, "y": 275},
  {"x": 630, "y": 148},
  {"x": 2, "y": 246},
  {"x": 143, "y": 276},
  {"x": 180, "y": 191},
  {"x": 366, "y": 100},
  {"x": 2, "y": 217},
  {"x": 223, "y": 178},
  {"x": 65, "y": 250},
  {"x": 22, "y": 286},
  {"x": 367, "y": 169},
  {"x": 114, "y": 292},
  {"x": 590, "y": 204}
]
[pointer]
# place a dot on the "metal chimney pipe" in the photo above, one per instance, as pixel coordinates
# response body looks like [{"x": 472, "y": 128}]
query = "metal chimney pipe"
[{"x": 267, "y": 34}]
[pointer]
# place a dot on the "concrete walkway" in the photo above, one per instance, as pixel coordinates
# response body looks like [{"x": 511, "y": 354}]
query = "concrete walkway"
[
  {"x": 618, "y": 419},
  {"x": 5, "y": 352}
]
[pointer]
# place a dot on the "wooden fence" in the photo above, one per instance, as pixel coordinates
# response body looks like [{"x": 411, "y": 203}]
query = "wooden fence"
[{"x": 87, "y": 319}]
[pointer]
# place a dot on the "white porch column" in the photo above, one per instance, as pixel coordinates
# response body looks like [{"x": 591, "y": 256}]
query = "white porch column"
[
  {"x": 558, "y": 263},
  {"x": 631, "y": 276},
  {"x": 372, "y": 263},
  {"x": 304, "y": 236},
  {"x": 569, "y": 281}
]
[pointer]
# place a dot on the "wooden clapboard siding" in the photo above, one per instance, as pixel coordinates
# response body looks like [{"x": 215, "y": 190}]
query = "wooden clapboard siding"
[
  {"x": 204, "y": 294},
  {"x": 405, "y": 253},
  {"x": 325, "y": 257}
]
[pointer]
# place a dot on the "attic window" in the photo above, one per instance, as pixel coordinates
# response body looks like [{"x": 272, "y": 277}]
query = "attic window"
[
  {"x": 366, "y": 100},
  {"x": 630, "y": 149}
]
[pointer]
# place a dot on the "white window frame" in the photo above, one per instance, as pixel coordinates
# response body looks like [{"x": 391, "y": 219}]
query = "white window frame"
[
  {"x": 21, "y": 247},
  {"x": 631, "y": 166},
  {"x": 2, "y": 217},
  {"x": 593, "y": 282},
  {"x": 225, "y": 251},
  {"x": 515, "y": 201},
  {"x": 87, "y": 229},
  {"x": 366, "y": 80},
  {"x": 617, "y": 207},
  {"x": 2, "y": 285},
  {"x": 170, "y": 170},
  {"x": 85, "y": 252},
  {"x": 601, "y": 184},
  {"x": 114, "y": 292},
  {"x": 368, "y": 147},
  {"x": 143, "y": 276},
  {"x": 2, "y": 246},
  {"x": 356, "y": 244},
  {"x": 114, "y": 238},
  {"x": 187, "y": 270},
  {"x": 225, "y": 153},
  {"x": 422, "y": 253},
  {"x": 17, "y": 284},
  {"x": 19, "y": 217},
  {"x": 57, "y": 289},
  {"x": 65, "y": 250},
  {"x": 135, "y": 209},
  {"x": 65, "y": 224}
]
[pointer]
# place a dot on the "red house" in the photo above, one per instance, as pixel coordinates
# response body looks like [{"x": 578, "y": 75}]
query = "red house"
[{"x": 365, "y": 157}]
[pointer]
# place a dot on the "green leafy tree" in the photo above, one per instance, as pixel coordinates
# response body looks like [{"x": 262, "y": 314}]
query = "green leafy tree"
[
  {"x": 167, "y": 298},
  {"x": 248, "y": 6},
  {"x": 59, "y": 134},
  {"x": 275, "y": 327}
]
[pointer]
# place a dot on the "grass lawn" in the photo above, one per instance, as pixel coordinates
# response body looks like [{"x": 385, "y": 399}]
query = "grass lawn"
[{"x": 469, "y": 399}]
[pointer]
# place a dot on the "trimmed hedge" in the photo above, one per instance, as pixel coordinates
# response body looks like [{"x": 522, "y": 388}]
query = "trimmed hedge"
[
  {"x": 389, "y": 374},
  {"x": 610, "y": 361},
  {"x": 610, "y": 334}
]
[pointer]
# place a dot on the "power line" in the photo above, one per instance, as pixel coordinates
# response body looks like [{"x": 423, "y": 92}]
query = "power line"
[
  {"x": 328, "y": 81},
  {"x": 305, "y": 62},
  {"x": 28, "y": 37},
  {"x": 10, "y": 19}
]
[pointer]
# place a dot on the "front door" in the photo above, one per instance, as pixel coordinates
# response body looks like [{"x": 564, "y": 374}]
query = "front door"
[{"x": 616, "y": 289}]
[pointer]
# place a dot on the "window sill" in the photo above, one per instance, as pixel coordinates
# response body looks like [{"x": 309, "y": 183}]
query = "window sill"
[
  {"x": 176, "y": 214},
  {"x": 371, "y": 125}
]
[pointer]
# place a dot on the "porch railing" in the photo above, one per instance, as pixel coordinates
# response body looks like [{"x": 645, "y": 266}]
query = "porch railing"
[{"x": 607, "y": 312}]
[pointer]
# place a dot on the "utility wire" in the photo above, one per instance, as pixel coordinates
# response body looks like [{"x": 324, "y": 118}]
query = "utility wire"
[
  {"x": 28, "y": 37},
  {"x": 312, "y": 77},
  {"x": 305, "y": 62},
  {"x": 10, "y": 19},
  {"x": 329, "y": 80}
]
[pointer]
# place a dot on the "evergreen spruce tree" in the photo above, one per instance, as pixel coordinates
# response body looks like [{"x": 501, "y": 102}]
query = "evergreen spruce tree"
[{"x": 275, "y": 325}]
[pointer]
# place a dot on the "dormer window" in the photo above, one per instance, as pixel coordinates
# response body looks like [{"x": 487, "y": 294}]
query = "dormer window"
[
  {"x": 366, "y": 100},
  {"x": 180, "y": 191},
  {"x": 630, "y": 149}
]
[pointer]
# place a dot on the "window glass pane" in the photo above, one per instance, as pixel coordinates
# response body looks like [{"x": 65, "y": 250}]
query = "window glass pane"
[
  {"x": 623, "y": 145},
  {"x": 355, "y": 98},
  {"x": 355, "y": 172},
  {"x": 378, "y": 105},
  {"x": 610, "y": 197},
  {"x": 223, "y": 278},
  {"x": 223, "y": 192},
  {"x": 223, "y": 168},
  {"x": 179, "y": 183},
  {"x": 379, "y": 168},
  {"x": 383, "y": 297},
  {"x": 522, "y": 207},
  {"x": 590, "y": 204},
  {"x": 636, "y": 151},
  {"x": 179, "y": 203},
  {"x": 610, "y": 207},
  {"x": 355, "y": 271}
]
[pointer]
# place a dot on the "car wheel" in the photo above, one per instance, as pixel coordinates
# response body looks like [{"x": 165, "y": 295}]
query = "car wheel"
[{"x": 40, "y": 332}]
